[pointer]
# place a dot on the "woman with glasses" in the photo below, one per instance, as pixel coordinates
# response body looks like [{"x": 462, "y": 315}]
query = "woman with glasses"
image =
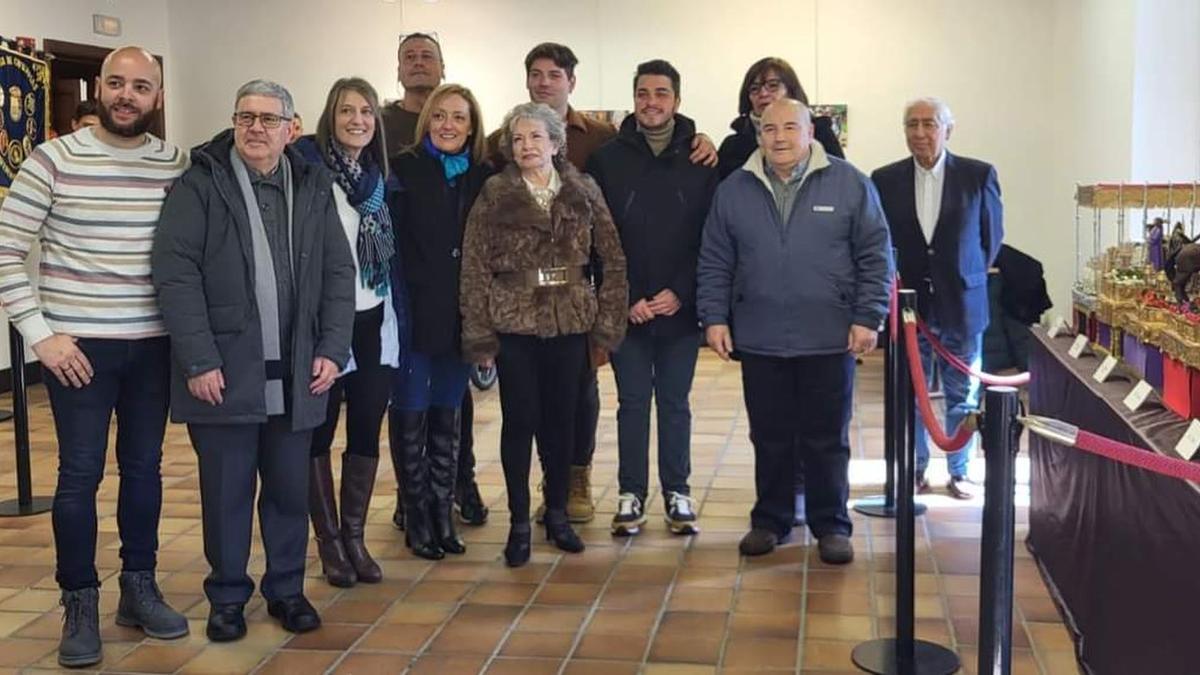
[
  {"x": 438, "y": 178},
  {"x": 768, "y": 80},
  {"x": 349, "y": 141}
]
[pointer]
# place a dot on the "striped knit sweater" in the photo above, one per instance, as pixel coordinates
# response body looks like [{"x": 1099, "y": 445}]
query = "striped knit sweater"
[{"x": 93, "y": 208}]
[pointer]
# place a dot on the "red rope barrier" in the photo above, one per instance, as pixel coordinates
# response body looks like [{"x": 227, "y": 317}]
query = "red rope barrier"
[
  {"x": 948, "y": 443},
  {"x": 1018, "y": 380},
  {"x": 1134, "y": 456}
]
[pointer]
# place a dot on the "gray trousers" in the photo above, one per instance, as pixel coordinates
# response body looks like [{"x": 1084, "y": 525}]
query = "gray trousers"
[{"x": 233, "y": 457}]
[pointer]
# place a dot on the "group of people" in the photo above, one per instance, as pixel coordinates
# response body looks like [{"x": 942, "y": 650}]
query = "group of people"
[{"x": 250, "y": 288}]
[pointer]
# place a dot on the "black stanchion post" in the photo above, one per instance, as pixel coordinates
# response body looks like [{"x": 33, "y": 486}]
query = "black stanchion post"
[
  {"x": 894, "y": 426},
  {"x": 904, "y": 654},
  {"x": 1001, "y": 438},
  {"x": 25, "y": 504}
]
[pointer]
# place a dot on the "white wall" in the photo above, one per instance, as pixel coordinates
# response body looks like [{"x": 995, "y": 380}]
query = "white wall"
[{"x": 1166, "y": 101}]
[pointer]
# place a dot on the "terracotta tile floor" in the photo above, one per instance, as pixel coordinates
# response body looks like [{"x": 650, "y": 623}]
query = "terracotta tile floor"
[{"x": 652, "y": 604}]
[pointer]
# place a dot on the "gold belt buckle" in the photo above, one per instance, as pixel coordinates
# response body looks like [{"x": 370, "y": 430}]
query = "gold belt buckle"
[{"x": 551, "y": 276}]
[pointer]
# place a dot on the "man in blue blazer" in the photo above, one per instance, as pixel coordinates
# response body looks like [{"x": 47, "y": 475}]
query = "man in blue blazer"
[{"x": 947, "y": 224}]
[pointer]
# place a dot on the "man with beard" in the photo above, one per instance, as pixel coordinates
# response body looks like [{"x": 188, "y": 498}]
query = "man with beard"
[
  {"x": 550, "y": 79},
  {"x": 421, "y": 69},
  {"x": 92, "y": 199}
]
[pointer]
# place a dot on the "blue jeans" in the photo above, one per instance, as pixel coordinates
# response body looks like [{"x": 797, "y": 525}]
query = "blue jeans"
[
  {"x": 645, "y": 366},
  {"x": 132, "y": 378},
  {"x": 962, "y": 396},
  {"x": 423, "y": 382}
]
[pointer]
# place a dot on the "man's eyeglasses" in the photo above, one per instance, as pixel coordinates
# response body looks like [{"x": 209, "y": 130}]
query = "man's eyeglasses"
[
  {"x": 269, "y": 120},
  {"x": 772, "y": 85}
]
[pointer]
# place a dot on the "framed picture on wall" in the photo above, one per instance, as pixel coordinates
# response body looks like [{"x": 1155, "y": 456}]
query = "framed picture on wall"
[{"x": 838, "y": 113}]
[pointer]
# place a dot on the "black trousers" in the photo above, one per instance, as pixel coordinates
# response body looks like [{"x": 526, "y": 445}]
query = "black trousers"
[
  {"x": 799, "y": 409},
  {"x": 466, "y": 441},
  {"x": 587, "y": 417},
  {"x": 539, "y": 387},
  {"x": 233, "y": 458},
  {"x": 365, "y": 390}
]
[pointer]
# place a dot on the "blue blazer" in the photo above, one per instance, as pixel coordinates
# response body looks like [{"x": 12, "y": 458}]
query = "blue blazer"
[{"x": 949, "y": 273}]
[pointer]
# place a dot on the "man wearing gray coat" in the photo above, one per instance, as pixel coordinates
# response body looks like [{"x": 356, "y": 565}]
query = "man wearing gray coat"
[
  {"x": 793, "y": 281},
  {"x": 255, "y": 281}
]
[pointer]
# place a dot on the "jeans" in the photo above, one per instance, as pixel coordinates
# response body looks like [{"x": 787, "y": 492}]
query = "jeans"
[
  {"x": 800, "y": 407},
  {"x": 132, "y": 378},
  {"x": 365, "y": 390},
  {"x": 539, "y": 384},
  {"x": 423, "y": 382},
  {"x": 962, "y": 396},
  {"x": 647, "y": 365},
  {"x": 233, "y": 459}
]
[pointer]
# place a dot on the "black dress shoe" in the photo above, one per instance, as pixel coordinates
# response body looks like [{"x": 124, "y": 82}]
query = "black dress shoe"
[
  {"x": 295, "y": 613},
  {"x": 835, "y": 549},
  {"x": 226, "y": 623}
]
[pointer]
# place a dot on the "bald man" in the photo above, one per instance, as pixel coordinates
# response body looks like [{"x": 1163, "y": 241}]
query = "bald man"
[
  {"x": 92, "y": 199},
  {"x": 793, "y": 281}
]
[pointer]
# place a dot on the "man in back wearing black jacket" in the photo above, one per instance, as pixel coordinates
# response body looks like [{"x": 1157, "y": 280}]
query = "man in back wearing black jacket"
[{"x": 659, "y": 200}]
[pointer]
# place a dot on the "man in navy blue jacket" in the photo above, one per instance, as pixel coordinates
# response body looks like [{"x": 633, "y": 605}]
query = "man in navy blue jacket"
[
  {"x": 947, "y": 223},
  {"x": 793, "y": 279}
]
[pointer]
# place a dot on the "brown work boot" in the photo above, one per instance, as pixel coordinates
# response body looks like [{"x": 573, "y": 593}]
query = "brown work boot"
[{"x": 579, "y": 500}]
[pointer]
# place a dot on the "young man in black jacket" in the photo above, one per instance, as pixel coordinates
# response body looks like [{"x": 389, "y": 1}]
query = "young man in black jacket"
[{"x": 659, "y": 200}]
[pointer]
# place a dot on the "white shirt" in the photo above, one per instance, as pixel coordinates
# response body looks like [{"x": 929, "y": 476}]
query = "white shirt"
[
  {"x": 929, "y": 184},
  {"x": 364, "y": 298}
]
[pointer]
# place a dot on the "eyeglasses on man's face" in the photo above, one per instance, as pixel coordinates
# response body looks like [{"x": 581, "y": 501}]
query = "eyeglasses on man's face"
[{"x": 269, "y": 120}]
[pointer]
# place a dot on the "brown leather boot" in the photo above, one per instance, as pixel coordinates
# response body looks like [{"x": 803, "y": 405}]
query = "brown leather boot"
[
  {"x": 580, "y": 508},
  {"x": 335, "y": 565},
  {"x": 358, "y": 482}
]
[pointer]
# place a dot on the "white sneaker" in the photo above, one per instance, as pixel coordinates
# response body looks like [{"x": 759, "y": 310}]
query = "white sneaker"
[
  {"x": 629, "y": 517},
  {"x": 681, "y": 514}
]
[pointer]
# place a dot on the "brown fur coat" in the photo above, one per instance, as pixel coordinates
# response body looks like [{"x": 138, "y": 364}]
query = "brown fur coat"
[{"x": 508, "y": 232}]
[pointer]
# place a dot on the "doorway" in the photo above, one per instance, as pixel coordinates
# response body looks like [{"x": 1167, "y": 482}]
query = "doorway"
[{"x": 73, "y": 76}]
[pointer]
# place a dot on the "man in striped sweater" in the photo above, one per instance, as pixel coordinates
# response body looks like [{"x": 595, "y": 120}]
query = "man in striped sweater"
[{"x": 91, "y": 200}]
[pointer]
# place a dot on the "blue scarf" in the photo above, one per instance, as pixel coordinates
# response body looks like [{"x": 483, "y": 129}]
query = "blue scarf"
[{"x": 454, "y": 165}]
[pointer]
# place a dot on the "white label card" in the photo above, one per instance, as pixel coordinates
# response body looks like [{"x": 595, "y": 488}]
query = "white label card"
[
  {"x": 1138, "y": 396},
  {"x": 1105, "y": 369},
  {"x": 1078, "y": 346},
  {"x": 1186, "y": 447},
  {"x": 1057, "y": 326}
]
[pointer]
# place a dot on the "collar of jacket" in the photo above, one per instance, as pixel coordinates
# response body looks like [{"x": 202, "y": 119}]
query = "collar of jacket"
[
  {"x": 575, "y": 119},
  {"x": 817, "y": 160},
  {"x": 685, "y": 130}
]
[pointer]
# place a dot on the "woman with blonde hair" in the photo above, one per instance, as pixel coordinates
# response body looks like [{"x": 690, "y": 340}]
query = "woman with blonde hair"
[{"x": 438, "y": 179}]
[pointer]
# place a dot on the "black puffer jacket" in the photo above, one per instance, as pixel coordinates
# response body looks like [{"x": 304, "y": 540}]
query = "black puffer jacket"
[
  {"x": 659, "y": 205},
  {"x": 738, "y": 146}
]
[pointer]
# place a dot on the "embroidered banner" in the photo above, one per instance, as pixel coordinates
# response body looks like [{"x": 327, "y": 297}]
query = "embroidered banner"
[{"x": 24, "y": 108}]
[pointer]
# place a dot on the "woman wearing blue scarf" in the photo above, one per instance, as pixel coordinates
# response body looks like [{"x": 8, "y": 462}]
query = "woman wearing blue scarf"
[
  {"x": 350, "y": 143},
  {"x": 439, "y": 178}
]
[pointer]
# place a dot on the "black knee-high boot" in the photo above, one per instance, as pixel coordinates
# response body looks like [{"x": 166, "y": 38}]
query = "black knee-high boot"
[{"x": 443, "y": 467}]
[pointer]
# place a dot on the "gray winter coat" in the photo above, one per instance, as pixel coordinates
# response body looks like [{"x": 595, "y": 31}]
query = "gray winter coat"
[
  {"x": 203, "y": 268},
  {"x": 794, "y": 288}
]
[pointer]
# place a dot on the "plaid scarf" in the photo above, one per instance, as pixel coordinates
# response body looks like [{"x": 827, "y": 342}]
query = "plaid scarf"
[{"x": 363, "y": 183}]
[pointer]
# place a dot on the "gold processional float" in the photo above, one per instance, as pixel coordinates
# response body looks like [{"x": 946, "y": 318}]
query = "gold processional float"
[{"x": 1138, "y": 297}]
